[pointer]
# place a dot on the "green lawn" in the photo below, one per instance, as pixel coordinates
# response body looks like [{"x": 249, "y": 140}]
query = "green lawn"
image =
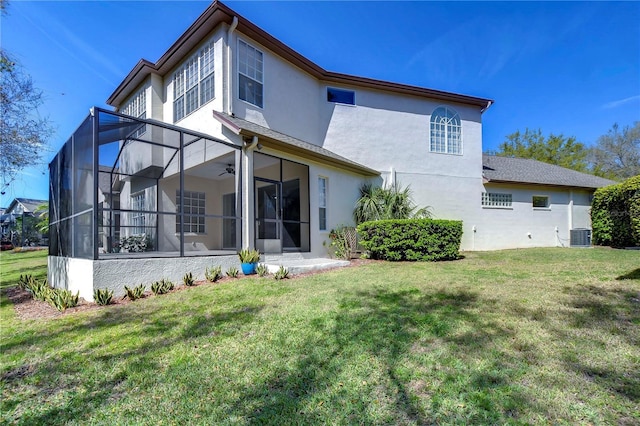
[
  {"x": 13, "y": 264},
  {"x": 541, "y": 336}
]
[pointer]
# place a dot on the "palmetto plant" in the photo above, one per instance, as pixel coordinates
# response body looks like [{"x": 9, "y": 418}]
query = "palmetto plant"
[{"x": 391, "y": 202}]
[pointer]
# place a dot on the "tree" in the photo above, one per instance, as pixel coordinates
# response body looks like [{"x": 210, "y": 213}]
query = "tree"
[
  {"x": 617, "y": 154},
  {"x": 393, "y": 202},
  {"x": 23, "y": 133},
  {"x": 554, "y": 149}
]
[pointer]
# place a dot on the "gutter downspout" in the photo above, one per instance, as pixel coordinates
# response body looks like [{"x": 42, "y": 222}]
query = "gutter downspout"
[
  {"x": 232, "y": 28},
  {"x": 248, "y": 211}
]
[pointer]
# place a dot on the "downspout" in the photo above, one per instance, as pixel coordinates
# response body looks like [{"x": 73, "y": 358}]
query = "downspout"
[
  {"x": 230, "y": 31},
  {"x": 248, "y": 219}
]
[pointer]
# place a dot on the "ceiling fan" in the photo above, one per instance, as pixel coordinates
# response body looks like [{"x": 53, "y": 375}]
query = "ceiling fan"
[{"x": 228, "y": 170}]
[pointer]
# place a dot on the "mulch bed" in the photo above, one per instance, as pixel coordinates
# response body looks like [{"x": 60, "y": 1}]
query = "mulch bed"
[{"x": 28, "y": 309}]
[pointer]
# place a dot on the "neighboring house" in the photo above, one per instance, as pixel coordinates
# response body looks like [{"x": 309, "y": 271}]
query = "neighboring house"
[
  {"x": 21, "y": 208},
  {"x": 232, "y": 139}
]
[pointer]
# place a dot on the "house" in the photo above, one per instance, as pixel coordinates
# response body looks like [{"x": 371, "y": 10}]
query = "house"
[
  {"x": 232, "y": 139},
  {"x": 18, "y": 220}
]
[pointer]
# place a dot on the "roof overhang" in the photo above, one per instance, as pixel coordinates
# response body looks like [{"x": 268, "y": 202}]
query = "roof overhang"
[
  {"x": 486, "y": 180},
  {"x": 218, "y": 13},
  {"x": 289, "y": 145}
]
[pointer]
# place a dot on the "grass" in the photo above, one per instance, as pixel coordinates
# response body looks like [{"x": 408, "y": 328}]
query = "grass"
[
  {"x": 15, "y": 263},
  {"x": 513, "y": 337}
]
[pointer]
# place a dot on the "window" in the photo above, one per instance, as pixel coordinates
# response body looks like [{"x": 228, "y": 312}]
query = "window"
[
  {"x": 137, "y": 107},
  {"x": 446, "y": 131},
  {"x": 138, "y": 219},
  {"x": 322, "y": 203},
  {"x": 250, "y": 77},
  {"x": 193, "y": 212},
  {"x": 491, "y": 199},
  {"x": 540, "y": 201},
  {"x": 193, "y": 83},
  {"x": 339, "y": 96}
]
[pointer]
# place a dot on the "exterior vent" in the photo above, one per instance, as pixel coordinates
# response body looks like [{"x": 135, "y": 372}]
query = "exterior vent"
[{"x": 580, "y": 237}]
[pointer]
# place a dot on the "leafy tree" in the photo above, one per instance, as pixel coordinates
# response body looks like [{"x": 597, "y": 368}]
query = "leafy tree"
[
  {"x": 23, "y": 133},
  {"x": 617, "y": 154},
  {"x": 553, "y": 149},
  {"x": 42, "y": 212},
  {"x": 392, "y": 202}
]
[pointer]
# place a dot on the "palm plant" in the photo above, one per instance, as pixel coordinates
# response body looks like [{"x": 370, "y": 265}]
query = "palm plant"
[{"x": 390, "y": 202}]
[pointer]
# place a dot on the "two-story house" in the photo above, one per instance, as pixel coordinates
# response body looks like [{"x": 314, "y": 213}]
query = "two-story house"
[{"x": 232, "y": 139}]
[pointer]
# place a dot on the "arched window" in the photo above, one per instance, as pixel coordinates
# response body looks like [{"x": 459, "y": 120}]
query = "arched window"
[{"x": 446, "y": 131}]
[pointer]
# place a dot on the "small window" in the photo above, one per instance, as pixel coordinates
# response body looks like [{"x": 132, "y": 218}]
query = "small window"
[
  {"x": 193, "y": 212},
  {"x": 491, "y": 199},
  {"x": 540, "y": 201},
  {"x": 138, "y": 218},
  {"x": 322, "y": 203},
  {"x": 339, "y": 96}
]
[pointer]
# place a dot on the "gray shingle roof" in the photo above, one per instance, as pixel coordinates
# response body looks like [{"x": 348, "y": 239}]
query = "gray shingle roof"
[
  {"x": 523, "y": 170},
  {"x": 290, "y": 144}
]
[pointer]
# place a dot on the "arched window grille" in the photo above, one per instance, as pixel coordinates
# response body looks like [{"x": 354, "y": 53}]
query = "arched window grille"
[{"x": 446, "y": 131}]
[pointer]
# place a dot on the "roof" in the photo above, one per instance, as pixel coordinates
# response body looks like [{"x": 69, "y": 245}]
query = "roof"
[
  {"x": 524, "y": 170},
  {"x": 218, "y": 13},
  {"x": 29, "y": 204},
  {"x": 284, "y": 143}
]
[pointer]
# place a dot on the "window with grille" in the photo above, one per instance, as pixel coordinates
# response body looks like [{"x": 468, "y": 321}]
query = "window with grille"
[
  {"x": 492, "y": 199},
  {"x": 137, "y": 107},
  {"x": 193, "y": 83},
  {"x": 250, "y": 74},
  {"x": 138, "y": 218},
  {"x": 322, "y": 203},
  {"x": 194, "y": 211},
  {"x": 446, "y": 131}
]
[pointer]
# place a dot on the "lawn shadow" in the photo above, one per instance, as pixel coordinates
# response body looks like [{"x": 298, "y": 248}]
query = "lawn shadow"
[
  {"x": 388, "y": 327},
  {"x": 118, "y": 365},
  {"x": 632, "y": 275}
]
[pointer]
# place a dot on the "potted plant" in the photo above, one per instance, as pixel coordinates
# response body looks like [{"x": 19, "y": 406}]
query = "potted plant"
[{"x": 249, "y": 259}]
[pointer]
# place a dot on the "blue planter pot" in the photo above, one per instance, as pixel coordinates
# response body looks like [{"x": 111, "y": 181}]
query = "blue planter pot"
[{"x": 248, "y": 268}]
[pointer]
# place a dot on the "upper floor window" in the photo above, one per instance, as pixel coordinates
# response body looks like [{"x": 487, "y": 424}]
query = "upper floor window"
[
  {"x": 250, "y": 74},
  {"x": 137, "y": 107},
  {"x": 340, "y": 96},
  {"x": 193, "y": 83},
  {"x": 446, "y": 131}
]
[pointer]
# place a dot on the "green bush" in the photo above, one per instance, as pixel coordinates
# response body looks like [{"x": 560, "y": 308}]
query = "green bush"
[
  {"x": 233, "y": 272},
  {"x": 249, "y": 256},
  {"x": 188, "y": 279},
  {"x": 282, "y": 273},
  {"x": 615, "y": 214},
  {"x": 412, "y": 239},
  {"x": 162, "y": 287},
  {"x": 262, "y": 270},
  {"x": 134, "y": 293},
  {"x": 213, "y": 274},
  {"x": 63, "y": 299},
  {"x": 102, "y": 296}
]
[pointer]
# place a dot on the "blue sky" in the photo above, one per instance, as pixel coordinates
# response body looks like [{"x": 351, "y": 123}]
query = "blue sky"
[{"x": 564, "y": 67}]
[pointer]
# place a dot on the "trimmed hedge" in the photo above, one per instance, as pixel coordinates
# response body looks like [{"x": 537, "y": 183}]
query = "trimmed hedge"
[
  {"x": 412, "y": 239},
  {"x": 615, "y": 214}
]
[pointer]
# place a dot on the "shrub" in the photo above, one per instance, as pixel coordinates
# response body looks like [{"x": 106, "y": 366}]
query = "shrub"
[
  {"x": 25, "y": 281},
  {"x": 213, "y": 274},
  {"x": 341, "y": 243},
  {"x": 102, "y": 296},
  {"x": 134, "y": 293},
  {"x": 233, "y": 272},
  {"x": 162, "y": 287},
  {"x": 262, "y": 270},
  {"x": 249, "y": 256},
  {"x": 281, "y": 274},
  {"x": 39, "y": 290},
  {"x": 188, "y": 279},
  {"x": 412, "y": 239},
  {"x": 615, "y": 214},
  {"x": 63, "y": 299}
]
